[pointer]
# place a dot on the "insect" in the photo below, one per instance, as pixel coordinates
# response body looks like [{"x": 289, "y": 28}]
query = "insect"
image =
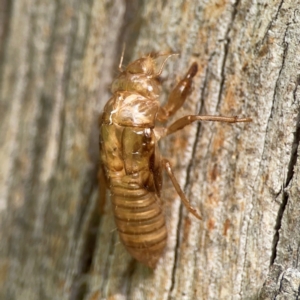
[{"x": 129, "y": 154}]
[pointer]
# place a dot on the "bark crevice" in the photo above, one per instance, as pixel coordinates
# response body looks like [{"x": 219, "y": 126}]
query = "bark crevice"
[
  {"x": 292, "y": 162},
  {"x": 294, "y": 151}
]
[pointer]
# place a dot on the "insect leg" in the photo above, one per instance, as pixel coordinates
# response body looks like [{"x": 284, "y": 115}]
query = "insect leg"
[
  {"x": 103, "y": 186},
  {"x": 178, "y": 95},
  {"x": 187, "y": 120},
  {"x": 166, "y": 164}
]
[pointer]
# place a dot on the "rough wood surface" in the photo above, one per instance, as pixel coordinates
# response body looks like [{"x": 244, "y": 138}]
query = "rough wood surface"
[{"x": 57, "y": 59}]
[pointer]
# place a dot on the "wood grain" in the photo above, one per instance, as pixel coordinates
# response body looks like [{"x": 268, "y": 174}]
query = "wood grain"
[{"x": 57, "y": 60}]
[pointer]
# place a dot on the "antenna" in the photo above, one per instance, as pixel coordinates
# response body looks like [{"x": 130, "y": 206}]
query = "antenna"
[
  {"x": 164, "y": 62},
  {"x": 122, "y": 56}
]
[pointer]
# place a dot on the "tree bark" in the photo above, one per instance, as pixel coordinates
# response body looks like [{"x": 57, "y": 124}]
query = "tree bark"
[{"x": 57, "y": 60}]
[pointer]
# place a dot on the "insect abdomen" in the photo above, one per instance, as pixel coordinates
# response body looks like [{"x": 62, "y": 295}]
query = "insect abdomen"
[{"x": 141, "y": 223}]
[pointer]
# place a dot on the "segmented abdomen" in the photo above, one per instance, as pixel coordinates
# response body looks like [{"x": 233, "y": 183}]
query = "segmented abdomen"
[{"x": 140, "y": 222}]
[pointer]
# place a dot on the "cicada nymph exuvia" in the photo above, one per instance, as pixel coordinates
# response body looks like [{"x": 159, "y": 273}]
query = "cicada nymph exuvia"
[{"x": 129, "y": 154}]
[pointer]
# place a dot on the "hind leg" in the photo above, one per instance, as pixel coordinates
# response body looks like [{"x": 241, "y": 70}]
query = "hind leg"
[
  {"x": 167, "y": 166},
  {"x": 103, "y": 186}
]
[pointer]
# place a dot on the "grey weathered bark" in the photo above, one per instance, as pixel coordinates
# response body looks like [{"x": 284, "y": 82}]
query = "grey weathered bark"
[{"x": 57, "y": 59}]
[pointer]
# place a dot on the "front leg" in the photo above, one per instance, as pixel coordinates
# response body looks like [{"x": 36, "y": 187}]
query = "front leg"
[{"x": 178, "y": 95}]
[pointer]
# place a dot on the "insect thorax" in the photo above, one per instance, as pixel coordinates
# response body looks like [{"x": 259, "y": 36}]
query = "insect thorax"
[{"x": 131, "y": 109}]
